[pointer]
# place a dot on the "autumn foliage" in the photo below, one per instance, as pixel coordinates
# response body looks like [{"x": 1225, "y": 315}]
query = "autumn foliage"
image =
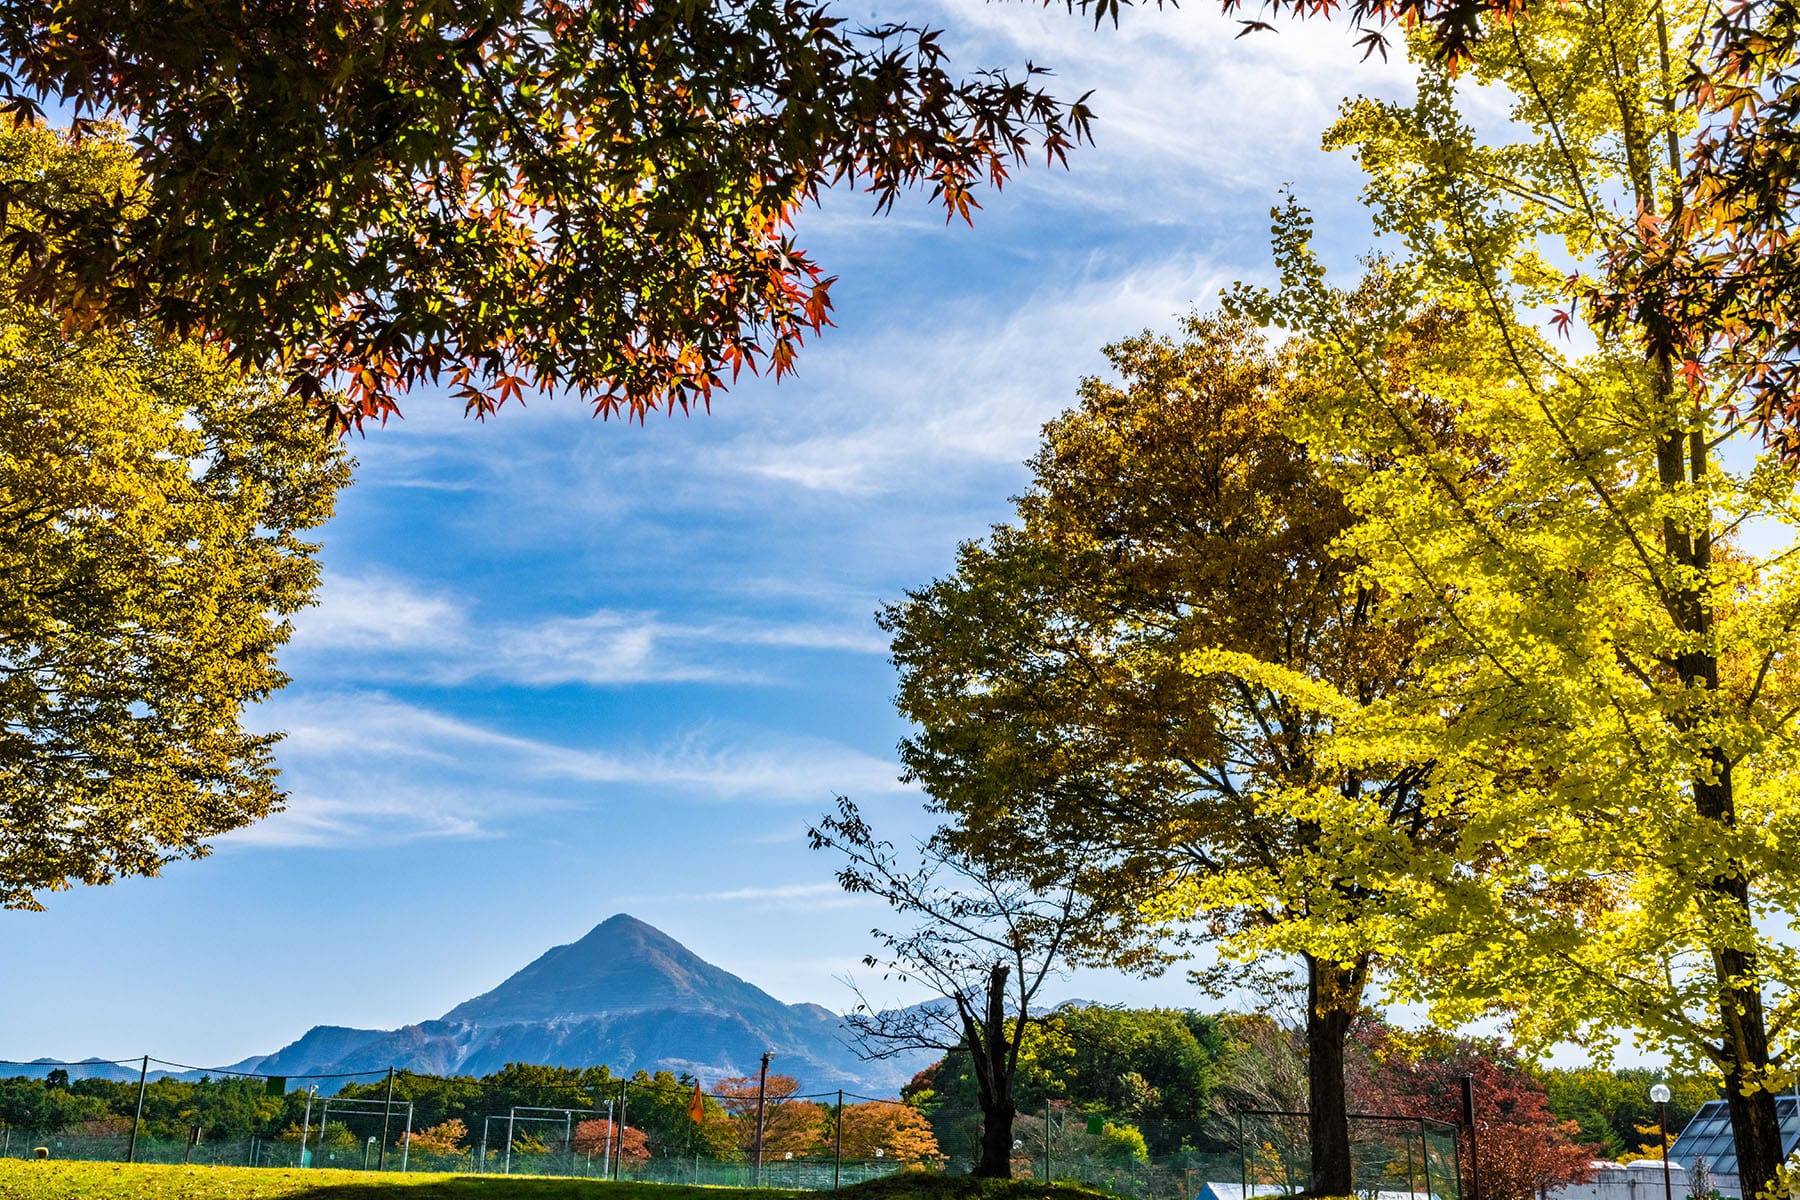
[
  {"x": 154, "y": 507},
  {"x": 1522, "y": 1149},
  {"x": 899, "y": 1130},
  {"x": 790, "y": 1125},
  {"x": 447, "y": 1137},
  {"x": 496, "y": 196},
  {"x": 601, "y": 1136}
]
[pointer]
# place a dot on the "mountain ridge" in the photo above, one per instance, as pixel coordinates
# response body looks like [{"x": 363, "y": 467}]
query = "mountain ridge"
[{"x": 625, "y": 995}]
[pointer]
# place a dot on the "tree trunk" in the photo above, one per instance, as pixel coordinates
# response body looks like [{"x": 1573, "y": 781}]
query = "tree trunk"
[
  {"x": 989, "y": 1050},
  {"x": 1744, "y": 1061},
  {"x": 1755, "y": 1128},
  {"x": 1333, "y": 994},
  {"x": 996, "y": 1142}
]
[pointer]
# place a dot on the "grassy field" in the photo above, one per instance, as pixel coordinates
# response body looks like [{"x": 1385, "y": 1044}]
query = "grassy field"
[{"x": 31, "y": 1180}]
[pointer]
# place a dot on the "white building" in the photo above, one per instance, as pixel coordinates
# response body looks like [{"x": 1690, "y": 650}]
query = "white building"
[{"x": 1640, "y": 1180}]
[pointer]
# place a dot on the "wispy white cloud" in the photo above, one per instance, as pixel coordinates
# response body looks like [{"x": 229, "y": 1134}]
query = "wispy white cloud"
[
  {"x": 964, "y": 391},
  {"x": 779, "y": 897},
  {"x": 383, "y": 627},
  {"x": 363, "y": 765}
]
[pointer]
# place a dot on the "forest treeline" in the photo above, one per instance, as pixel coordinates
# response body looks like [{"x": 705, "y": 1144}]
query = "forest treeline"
[{"x": 1150, "y": 1082}]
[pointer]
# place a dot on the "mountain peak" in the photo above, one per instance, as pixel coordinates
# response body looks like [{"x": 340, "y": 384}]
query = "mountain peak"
[
  {"x": 625, "y": 994},
  {"x": 620, "y": 965}
]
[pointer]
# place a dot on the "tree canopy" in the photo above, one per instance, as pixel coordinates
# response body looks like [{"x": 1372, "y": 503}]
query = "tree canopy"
[
  {"x": 1137, "y": 664},
  {"x": 154, "y": 503},
  {"x": 1607, "y": 679},
  {"x": 500, "y": 195}
]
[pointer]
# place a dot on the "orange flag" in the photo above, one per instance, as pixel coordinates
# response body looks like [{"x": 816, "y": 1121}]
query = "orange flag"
[{"x": 696, "y": 1106}]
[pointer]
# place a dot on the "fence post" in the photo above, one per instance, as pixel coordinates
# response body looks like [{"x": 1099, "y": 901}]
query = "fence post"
[
  {"x": 510, "y": 1113},
  {"x": 619, "y": 1150},
  {"x": 387, "y": 1111},
  {"x": 131, "y": 1147},
  {"x": 1425, "y": 1153},
  {"x": 1468, "y": 1108},
  {"x": 1243, "y": 1161},
  {"x": 1046, "y": 1139},
  {"x": 837, "y": 1162},
  {"x": 762, "y": 1088}
]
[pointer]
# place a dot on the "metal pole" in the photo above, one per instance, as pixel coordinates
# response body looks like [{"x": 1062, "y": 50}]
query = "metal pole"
[
  {"x": 1662, "y": 1119},
  {"x": 1411, "y": 1179},
  {"x": 406, "y": 1146},
  {"x": 136, "y": 1117},
  {"x": 1046, "y": 1139},
  {"x": 619, "y": 1154},
  {"x": 386, "y": 1112},
  {"x": 1425, "y": 1153},
  {"x": 1468, "y": 1106},
  {"x": 324, "y": 1109},
  {"x": 837, "y": 1163},
  {"x": 1243, "y": 1160},
  {"x": 606, "y": 1144},
  {"x": 509, "y": 1138},
  {"x": 306, "y": 1123},
  {"x": 762, "y": 1091}
]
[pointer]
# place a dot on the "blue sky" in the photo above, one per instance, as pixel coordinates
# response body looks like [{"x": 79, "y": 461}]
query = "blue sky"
[{"x": 564, "y": 668}]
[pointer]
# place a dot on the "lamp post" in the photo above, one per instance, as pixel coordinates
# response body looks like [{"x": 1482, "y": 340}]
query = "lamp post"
[{"x": 1660, "y": 1094}]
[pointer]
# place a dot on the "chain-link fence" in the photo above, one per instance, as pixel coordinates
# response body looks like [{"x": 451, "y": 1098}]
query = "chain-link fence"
[
  {"x": 1392, "y": 1158},
  {"x": 534, "y": 1120}
]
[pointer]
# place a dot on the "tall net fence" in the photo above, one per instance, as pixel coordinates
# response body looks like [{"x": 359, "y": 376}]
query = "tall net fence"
[
  {"x": 1392, "y": 1158},
  {"x": 532, "y": 1120}
]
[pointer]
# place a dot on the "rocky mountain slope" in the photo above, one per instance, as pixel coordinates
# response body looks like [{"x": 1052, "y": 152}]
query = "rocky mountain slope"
[{"x": 627, "y": 996}]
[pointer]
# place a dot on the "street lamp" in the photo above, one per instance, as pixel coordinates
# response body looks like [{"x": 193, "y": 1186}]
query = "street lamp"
[{"x": 1660, "y": 1094}]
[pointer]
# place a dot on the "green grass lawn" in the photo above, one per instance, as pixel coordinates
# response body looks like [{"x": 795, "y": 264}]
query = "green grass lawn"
[{"x": 32, "y": 1180}]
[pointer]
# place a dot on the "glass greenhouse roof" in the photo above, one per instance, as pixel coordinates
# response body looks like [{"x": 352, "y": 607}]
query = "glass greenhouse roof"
[{"x": 1708, "y": 1136}]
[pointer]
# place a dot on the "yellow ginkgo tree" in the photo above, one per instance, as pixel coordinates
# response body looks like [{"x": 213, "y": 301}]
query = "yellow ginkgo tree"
[
  {"x": 152, "y": 505},
  {"x": 1601, "y": 565}
]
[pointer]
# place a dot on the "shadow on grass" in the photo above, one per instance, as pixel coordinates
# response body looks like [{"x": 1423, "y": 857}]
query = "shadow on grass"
[
  {"x": 915, "y": 1185},
  {"x": 517, "y": 1187}
]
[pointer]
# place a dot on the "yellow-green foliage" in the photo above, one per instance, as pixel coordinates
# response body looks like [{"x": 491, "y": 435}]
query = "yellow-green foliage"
[
  {"x": 1123, "y": 1143},
  {"x": 151, "y": 502},
  {"x": 1607, "y": 687}
]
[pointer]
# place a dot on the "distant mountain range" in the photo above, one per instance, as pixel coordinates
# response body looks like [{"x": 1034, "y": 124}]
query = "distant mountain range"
[{"x": 626, "y": 996}]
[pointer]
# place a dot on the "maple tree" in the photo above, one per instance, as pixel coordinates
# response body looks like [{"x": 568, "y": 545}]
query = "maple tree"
[
  {"x": 1152, "y": 660},
  {"x": 600, "y": 1135},
  {"x": 1608, "y": 687},
  {"x": 367, "y": 194},
  {"x": 1521, "y": 1149},
  {"x": 1712, "y": 281},
  {"x": 899, "y": 1130},
  {"x": 154, "y": 502}
]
